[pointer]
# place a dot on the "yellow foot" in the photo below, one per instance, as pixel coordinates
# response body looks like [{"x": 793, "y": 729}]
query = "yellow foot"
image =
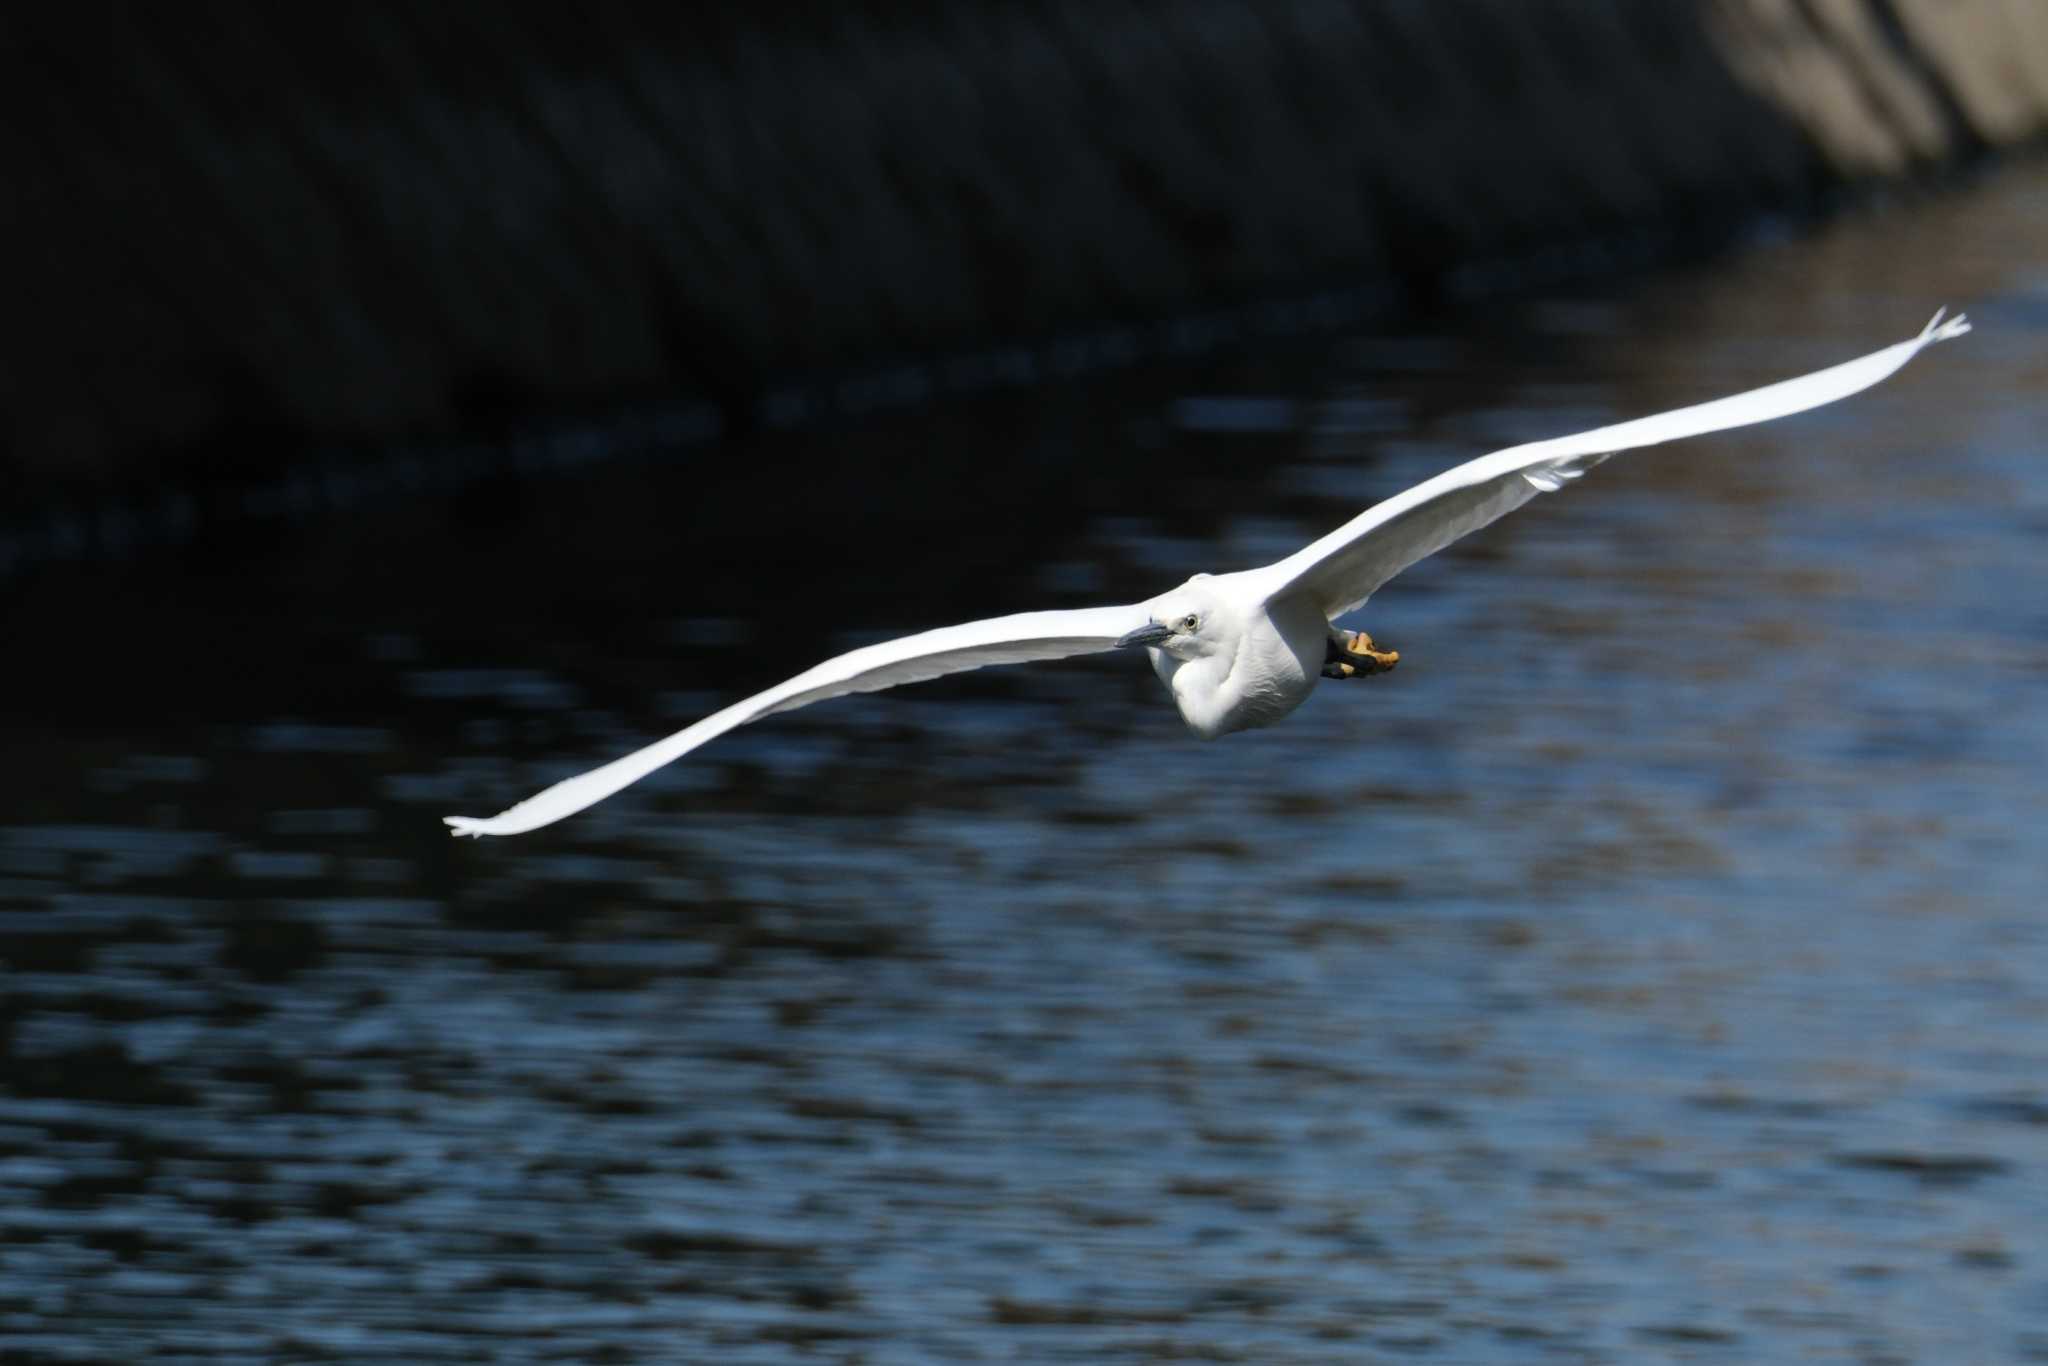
[{"x": 1351, "y": 654}]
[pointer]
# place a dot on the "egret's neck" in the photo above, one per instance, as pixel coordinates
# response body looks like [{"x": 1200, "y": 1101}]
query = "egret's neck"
[{"x": 1201, "y": 690}]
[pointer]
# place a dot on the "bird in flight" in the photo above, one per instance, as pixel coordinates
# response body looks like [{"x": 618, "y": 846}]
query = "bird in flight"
[{"x": 1241, "y": 650}]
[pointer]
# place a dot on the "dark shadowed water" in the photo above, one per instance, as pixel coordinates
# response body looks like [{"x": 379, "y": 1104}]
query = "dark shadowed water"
[{"x": 1653, "y": 968}]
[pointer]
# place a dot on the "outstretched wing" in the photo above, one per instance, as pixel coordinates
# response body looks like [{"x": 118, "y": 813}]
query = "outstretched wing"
[
  {"x": 911, "y": 659},
  {"x": 1342, "y": 570}
]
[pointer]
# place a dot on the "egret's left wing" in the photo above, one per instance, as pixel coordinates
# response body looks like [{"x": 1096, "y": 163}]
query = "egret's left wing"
[
  {"x": 911, "y": 659},
  {"x": 1342, "y": 570}
]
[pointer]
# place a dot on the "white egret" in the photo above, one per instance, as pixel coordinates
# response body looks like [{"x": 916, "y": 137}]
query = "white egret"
[{"x": 1240, "y": 650}]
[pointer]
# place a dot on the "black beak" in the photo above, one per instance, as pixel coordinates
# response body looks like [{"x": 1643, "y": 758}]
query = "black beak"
[{"x": 1151, "y": 633}]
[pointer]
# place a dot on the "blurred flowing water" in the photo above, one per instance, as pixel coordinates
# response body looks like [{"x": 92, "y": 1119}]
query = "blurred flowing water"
[{"x": 1652, "y": 968}]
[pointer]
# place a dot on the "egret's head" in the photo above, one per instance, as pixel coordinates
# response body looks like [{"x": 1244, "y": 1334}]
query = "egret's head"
[{"x": 1186, "y": 623}]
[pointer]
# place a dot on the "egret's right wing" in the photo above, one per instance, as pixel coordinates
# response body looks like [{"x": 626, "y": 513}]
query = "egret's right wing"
[
  {"x": 910, "y": 659},
  {"x": 1341, "y": 570}
]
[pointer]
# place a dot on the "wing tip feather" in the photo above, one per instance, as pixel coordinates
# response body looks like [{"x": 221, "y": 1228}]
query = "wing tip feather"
[{"x": 1937, "y": 330}]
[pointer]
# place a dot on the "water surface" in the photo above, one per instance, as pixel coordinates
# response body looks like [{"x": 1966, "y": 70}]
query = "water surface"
[{"x": 1652, "y": 968}]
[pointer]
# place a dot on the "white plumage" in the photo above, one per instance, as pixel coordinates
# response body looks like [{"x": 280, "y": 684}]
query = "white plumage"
[{"x": 1238, "y": 650}]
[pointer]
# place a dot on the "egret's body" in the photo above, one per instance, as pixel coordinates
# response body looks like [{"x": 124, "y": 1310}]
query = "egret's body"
[
  {"x": 1239, "y": 651},
  {"x": 1239, "y": 669}
]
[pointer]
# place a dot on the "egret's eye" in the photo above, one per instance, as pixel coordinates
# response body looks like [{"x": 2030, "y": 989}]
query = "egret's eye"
[{"x": 1189, "y": 622}]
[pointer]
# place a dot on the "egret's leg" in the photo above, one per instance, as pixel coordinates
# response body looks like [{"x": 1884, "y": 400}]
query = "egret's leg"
[{"x": 1352, "y": 654}]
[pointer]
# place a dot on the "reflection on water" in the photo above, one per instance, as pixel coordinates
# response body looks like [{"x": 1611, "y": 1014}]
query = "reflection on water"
[{"x": 1652, "y": 968}]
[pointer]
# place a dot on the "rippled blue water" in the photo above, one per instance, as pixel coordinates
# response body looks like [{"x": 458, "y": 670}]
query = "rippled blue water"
[{"x": 1653, "y": 968}]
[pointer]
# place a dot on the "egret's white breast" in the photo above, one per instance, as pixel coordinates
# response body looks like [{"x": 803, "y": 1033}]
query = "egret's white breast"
[{"x": 1278, "y": 657}]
